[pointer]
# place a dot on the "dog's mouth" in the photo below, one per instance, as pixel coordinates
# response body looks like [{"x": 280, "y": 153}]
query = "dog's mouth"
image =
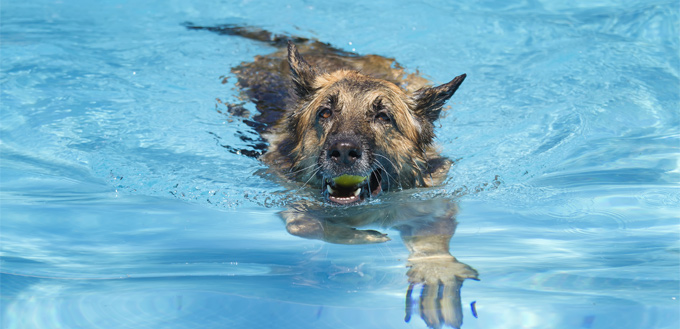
[{"x": 350, "y": 189}]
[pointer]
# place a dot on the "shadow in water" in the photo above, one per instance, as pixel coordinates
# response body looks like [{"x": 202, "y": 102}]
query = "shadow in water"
[{"x": 426, "y": 228}]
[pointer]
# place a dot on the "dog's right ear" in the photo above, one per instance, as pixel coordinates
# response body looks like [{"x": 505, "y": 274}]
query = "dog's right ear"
[{"x": 303, "y": 74}]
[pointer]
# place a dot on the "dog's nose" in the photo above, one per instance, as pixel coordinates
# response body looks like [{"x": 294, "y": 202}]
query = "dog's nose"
[{"x": 344, "y": 152}]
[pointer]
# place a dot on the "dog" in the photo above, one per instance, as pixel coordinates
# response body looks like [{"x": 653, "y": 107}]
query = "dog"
[{"x": 356, "y": 128}]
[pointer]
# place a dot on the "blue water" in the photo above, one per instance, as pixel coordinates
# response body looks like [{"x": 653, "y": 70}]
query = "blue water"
[{"x": 120, "y": 207}]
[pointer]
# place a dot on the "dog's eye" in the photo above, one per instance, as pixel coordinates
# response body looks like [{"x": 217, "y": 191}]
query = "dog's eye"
[
  {"x": 325, "y": 113},
  {"x": 383, "y": 117}
]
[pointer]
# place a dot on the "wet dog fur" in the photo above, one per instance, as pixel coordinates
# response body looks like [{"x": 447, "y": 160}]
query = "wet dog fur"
[
  {"x": 344, "y": 122},
  {"x": 333, "y": 113}
]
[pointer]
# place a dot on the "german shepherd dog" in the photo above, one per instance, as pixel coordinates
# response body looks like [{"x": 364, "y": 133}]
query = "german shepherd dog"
[{"x": 355, "y": 128}]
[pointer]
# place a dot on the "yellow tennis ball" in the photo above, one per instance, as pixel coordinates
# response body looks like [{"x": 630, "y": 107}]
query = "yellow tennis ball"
[{"x": 349, "y": 180}]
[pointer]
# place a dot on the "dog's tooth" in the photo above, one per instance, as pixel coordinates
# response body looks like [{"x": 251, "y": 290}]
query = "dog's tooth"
[
  {"x": 357, "y": 192},
  {"x": 330, "y": 189}
]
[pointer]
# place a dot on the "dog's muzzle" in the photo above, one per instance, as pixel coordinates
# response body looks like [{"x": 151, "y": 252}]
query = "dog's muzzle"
[
  {"x": 352, "y": 189},
  {"x": 346, "y": 172}
]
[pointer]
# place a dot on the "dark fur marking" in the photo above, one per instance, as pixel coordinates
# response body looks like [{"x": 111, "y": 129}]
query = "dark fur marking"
[
  {"x": 430, "y": 101},
  {"x": 303, "y": 74}
]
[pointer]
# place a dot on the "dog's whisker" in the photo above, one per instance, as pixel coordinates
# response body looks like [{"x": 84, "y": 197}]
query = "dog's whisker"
[
  {"x": 300, "y": 170},
  {"x": 310, "y": 177},
  {"x": 388, "y": 160},
  {"x": 385, "y": 169},
  {"x": 388, "y": 176}
]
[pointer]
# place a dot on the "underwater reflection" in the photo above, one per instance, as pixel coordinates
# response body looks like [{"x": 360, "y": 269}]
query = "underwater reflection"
[{"x": 426, "y": 228}]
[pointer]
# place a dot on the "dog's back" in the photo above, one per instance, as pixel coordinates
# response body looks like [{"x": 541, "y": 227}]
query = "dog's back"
[{"x": 266, "y": 80}]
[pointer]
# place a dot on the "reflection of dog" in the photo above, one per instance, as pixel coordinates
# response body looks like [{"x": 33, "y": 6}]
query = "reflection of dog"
[{"x": 355, "y": 127}]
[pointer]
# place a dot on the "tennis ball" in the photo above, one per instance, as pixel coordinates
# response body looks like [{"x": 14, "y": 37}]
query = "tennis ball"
[{"x": 349, "y": 180}]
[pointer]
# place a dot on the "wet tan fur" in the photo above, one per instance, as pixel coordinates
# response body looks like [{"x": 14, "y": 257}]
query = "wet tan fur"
[
  {"x": 296, "y": 141},
  {"x": 401, "y": 144}
]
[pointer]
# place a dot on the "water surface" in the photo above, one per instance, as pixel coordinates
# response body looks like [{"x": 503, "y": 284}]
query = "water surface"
[{"x": 121, "y": 207}]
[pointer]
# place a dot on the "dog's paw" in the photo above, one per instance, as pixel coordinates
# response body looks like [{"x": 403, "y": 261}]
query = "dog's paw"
[
  {"x": 439, "y": 269},
  {"x": 441, "y": 278},
  {"x": 372, "y": 236},
  {"x": 348, "y": 235},
  {"x": 310, "y": 229}
]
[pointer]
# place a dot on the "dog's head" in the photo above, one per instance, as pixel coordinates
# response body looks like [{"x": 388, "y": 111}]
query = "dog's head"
[{"x": 355, "y": 136}]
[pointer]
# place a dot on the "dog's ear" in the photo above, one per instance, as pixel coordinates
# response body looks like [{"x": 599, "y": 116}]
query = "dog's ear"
[
  {"x": 429, "y": 101},
  {"x": 303, "y": 74}
]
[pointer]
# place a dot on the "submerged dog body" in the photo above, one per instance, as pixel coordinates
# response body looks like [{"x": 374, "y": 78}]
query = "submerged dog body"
[{"x": 345, "y": 123}]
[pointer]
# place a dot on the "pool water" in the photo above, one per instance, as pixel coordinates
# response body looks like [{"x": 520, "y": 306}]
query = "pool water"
[{"x": 122, "y": 208}]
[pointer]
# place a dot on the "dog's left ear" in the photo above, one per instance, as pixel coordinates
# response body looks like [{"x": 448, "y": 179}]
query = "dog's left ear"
[
  {"x": 303, "y": 73},
  {"x": 429, "y": 101}
]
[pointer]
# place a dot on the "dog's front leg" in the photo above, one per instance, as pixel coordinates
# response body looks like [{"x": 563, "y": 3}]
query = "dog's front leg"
[
  {"x": 308, "y": 224},
  {"x": 431, "y": 263},
  {"x": 440, "y": 274}
]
